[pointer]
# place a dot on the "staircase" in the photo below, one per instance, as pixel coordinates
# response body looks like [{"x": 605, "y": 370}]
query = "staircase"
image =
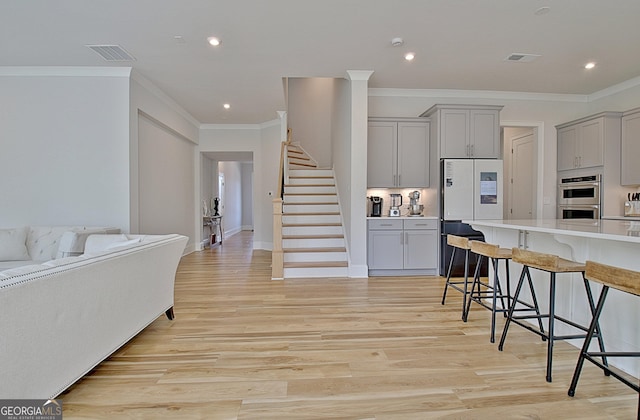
[{"x": 312, "y": 235}]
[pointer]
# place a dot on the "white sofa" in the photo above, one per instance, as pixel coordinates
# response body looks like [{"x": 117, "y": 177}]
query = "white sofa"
[
  {"x": 61, "y": 318},
  {"x": 29, "y": 244}
]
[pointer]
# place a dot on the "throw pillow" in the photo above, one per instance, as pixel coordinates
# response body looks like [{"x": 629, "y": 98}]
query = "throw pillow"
[{"x": 13, "y": 244}]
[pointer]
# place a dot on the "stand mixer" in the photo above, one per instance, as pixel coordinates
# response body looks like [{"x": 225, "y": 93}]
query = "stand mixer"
[{"x": 415, "y": 209}]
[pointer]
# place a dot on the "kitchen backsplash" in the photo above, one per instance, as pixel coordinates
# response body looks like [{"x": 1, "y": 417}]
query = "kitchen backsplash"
[{"x": 427, "y": 198}]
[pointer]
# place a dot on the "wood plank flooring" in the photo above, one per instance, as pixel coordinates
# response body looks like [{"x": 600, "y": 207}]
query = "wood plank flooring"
[{"x": 245, "y": 347}]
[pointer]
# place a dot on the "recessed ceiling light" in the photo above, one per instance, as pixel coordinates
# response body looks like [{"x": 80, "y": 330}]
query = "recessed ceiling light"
[
  {"x": 590, "y": 65},
  {"x": 213, "y": 41},
  {"x": 226, "y": 106},
  {"x": 396, "y": 42},
  {"x": 409, "y": 56}
]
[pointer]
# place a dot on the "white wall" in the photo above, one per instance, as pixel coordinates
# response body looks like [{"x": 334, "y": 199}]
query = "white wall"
[
  {"x": 165, "y": 163},
  {"x": 232, "y": 198},
  {"x": 166, "y": 196},
  {"x": 310, "y": 116},
  {"x": 64, "y": 146},
  {"x": 247, "y": 195}
]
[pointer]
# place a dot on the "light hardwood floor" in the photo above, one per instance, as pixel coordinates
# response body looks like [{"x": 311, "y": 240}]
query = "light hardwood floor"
[{"x": 245, "y": 347}]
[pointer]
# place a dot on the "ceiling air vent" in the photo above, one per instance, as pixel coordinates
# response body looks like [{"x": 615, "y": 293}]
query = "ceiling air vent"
[
  {"x": 112, "y": 52},
  {"x": 521, "y": 58}
]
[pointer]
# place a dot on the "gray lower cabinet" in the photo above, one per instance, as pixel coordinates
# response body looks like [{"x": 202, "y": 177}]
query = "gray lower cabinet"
[{"x": 402, "y": 246}]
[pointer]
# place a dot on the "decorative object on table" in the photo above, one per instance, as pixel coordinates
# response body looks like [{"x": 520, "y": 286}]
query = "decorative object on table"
[
  {"x": 205, "y": 209},
  {"x": 216, "y": 203}
]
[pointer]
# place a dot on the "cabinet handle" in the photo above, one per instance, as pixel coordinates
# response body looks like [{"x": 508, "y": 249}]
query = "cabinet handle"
[
  {"x": 386, "y": 224},
  {"x": 520, "y": 235},
  {"x": 526, "y": 239},
  {"x": 579, "y": 161},
  {"x": 467, "y": 150},
  {"x": 473, "y": 151},
  {"x": 399, "y": 179}
]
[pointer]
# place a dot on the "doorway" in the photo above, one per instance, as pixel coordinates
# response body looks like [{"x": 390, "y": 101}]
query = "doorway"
[{"x": 522, "y": 189}]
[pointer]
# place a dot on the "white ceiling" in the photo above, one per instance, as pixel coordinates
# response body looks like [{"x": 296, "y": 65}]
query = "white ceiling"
[{"x": 459, "y": 44}]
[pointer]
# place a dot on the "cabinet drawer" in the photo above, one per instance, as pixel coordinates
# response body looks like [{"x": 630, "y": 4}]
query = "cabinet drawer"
[
  {"x": 385, "y": 224},
  {"x": 420, "y": 224}
]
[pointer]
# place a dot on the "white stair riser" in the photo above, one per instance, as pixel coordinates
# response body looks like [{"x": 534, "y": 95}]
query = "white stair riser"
[
  {"x": 313, "y": 208},
  {"x": 310, "y": 198},
  {"x": 313, "y": 243},
  {"x": 312, "y": 230},
  {"x": 311, "y": 172},
  {"x": 303, "y": 189},
  {"x": 307, "y": 181},
  {"x": 301, "y": 273},
  {"x": 307, "y": 219},
  {"x": 314, "y": 256}
]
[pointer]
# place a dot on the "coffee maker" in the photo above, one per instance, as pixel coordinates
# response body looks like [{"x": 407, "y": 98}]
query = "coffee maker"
[
  {"x": 396, "y": 202},
  {"x": 376, "y": 206}
]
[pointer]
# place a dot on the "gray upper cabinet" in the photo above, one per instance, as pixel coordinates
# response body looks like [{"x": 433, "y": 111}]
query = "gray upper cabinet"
[
  {"x": 629, "y": 167},
  {"x": 398, "y": 153},
  {"x": 466, "y": 131},
  {"x": 586, "y": 143}
]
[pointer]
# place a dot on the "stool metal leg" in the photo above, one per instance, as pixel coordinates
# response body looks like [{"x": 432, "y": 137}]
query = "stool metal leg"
[
  {"x": 446, "y": 285},
  {"x": 587, "y": 341},
  {"x": 535, "y": 303},
  {"x": 511, "y": 309},
  {"x": 598, "y": 331},
  {"x": 552, "y": 308},
  {"x": 466, "y": 281}
]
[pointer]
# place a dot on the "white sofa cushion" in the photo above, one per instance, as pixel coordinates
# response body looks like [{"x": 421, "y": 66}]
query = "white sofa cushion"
[
  {"x": 13, "y": 245},
  {"x": 99, "y": 243},
  {"x": 72, "y": 242},
  {"x": 42, "y": 241}
]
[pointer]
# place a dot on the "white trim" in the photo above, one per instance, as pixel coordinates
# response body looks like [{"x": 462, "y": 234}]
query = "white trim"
[
  {"x": 359, "y": 74},
  {"x": 65, "y": 71},
  {"x": 147, "y": 84},
  {"x": 478, "y": 94},
  {"x": 611, "y": 90},
  {"x": 271, "y": 123},
  {"x": 358, "y": 271},
  {"x": 230, "y": 127}
]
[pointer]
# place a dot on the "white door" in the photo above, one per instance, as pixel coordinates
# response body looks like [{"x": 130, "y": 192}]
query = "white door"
[{"x": 523, "y": 189}]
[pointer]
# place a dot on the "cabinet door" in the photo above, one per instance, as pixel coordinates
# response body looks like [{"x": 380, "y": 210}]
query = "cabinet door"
[
  {"x": 382, "y": 154},
  {"x": 591, "y": 143},
  {"x": 385, "y": 249},
  {"x": 484, "y": 134},
  {"x": 567, "y": 143},
  {"x": 413, "y": 155},
  {"x": 421, "y": 249},
  {"x": 630, "y": 169},
  {"x": 454, "y": 133}
]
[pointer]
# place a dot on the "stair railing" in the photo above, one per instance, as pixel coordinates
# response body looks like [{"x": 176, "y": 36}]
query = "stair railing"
[{"x": 277, "y": 254}]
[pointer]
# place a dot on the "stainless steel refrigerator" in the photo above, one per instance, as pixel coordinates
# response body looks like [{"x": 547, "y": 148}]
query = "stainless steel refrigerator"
[{"x": 471, "y": 189}]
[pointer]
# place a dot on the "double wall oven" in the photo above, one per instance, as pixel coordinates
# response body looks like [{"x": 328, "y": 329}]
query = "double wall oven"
[{"x": 580, "y": 197}]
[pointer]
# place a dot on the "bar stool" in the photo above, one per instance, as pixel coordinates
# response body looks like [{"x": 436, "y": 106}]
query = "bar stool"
[
  {"x": 480, "y": 291},
  {"x": 626, "y": 281},
  {"x": 553, "y": 265},
  {"x": 458, "y": 243}
]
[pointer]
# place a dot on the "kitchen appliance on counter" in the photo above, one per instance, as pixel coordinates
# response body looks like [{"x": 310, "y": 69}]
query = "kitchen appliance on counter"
[
  {"x": 396, "y": 202},
  {"x": 471, "y": 190},
  {"x": 579, "y": 197},
  {"x": 376, "y": 206},
  {"x": 415, "y": 208},
  {"x": 632, "y": 205}
]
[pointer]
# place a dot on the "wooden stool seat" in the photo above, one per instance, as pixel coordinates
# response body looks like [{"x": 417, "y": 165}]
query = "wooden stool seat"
[
  {"x": 490, "y": 250},
  {"x": 546, "y": 262},
  {"x": 458, "y": 242},
  {"x": 481, "y": 291},
  {"x": 611, "y": 278},
  {"x": 552, "y": 264}
]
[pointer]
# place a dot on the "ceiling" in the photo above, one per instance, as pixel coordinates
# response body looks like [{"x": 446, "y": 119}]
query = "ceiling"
[{"x": 459, "y": 44}]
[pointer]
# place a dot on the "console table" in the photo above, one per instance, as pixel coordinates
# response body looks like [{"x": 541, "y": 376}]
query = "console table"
[{"x": 214, "y": 223}]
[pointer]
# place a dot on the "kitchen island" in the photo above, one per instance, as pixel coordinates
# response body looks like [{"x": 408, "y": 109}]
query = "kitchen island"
[{"x": 612, "y": 242}]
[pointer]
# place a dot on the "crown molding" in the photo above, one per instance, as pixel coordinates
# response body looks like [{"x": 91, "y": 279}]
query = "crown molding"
[
  {"x": 65, "y": 71},
  {"x": 477, "y": 94},
  {"x": 147, "y": 84},
  {"x": 359, "y": 74},
  {"x": 612, "y": 90},
  {"x": 260, "y": 126}
]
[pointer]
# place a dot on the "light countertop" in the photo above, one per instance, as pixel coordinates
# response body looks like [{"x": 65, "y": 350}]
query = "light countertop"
[{"x": 616, "y": 230}]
